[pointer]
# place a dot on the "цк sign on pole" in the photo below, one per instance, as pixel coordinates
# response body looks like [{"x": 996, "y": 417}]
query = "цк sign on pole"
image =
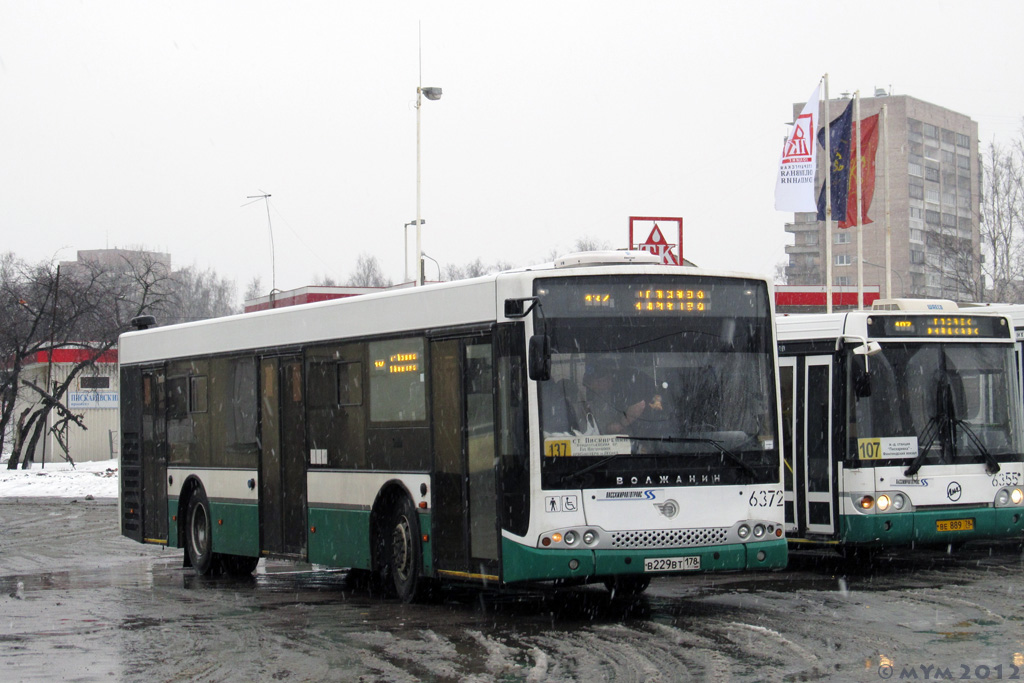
[{"x": 655, "y": 233}]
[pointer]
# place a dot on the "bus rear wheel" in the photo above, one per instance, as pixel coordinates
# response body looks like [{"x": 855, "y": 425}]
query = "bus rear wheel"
[
  {"x": 404, "y": 552},
  {"x": 199, "y": 533}
]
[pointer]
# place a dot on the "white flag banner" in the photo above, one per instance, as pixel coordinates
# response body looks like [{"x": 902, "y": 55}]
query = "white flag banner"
[{"x": 794, "y": 188}]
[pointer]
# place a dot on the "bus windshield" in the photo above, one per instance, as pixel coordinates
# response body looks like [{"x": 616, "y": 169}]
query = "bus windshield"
[
  {"x": 644, "y": 393},
  {"x": 934, "y": 403}
]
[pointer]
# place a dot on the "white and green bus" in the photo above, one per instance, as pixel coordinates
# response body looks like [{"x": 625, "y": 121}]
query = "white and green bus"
[
  {"x": 902, "y": 424},
  {"x": 444, "y": 433}
]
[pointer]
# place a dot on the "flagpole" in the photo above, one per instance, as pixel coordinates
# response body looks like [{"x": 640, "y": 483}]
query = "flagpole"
[
  {"x": 860, "y": 204},
  {"x": 888, "y": 227},
  {"x": 828, "y": 207}
]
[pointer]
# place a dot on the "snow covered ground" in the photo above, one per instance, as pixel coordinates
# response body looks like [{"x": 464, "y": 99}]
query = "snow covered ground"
[{"x": 61, "y": 480}]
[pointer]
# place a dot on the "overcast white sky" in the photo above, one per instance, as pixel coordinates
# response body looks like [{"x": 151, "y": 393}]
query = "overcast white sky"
[{"x": 128, "y": 124}]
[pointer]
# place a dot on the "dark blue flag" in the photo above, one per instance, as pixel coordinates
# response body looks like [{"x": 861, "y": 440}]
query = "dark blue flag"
[{"x": 840, "y": 133}]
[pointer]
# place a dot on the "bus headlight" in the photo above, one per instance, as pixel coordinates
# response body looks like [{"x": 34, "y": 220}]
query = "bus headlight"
[
  {"x": 899, "y": 501},
  {"x": 590, "y": 537},
  {"x": 883, "y": 502},
  {"x": 571, "y": 537},
  {"x": 866, "y": 502},
  {"x": 1016, "y": 496},
  {"x": 758, "y": 531},
  {"x": 743, "y": 531},
  {"x": 1003, "y": 497}
]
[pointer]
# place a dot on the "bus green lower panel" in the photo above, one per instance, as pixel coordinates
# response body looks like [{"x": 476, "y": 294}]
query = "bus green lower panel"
[
  {"x": 522, "y": 563},
  {"x": 339, "y": 538},
  {"x": 172, "y": 524},
  {"x": 921, "y": 526},
  {"x": 236, "y": 528}
]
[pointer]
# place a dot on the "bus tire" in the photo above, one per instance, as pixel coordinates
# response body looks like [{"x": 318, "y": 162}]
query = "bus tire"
[
  {"x": 628, "y": 586},
  {"x": 199, "y": 533},
  {"x": 404, "y": 552},
  {"x": 239, "y": 565}
]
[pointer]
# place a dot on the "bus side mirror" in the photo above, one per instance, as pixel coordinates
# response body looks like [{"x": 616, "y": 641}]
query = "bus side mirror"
[{"x": 540, "y": 358}]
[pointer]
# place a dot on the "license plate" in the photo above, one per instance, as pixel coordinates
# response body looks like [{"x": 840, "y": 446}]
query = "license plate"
[
  {"x": 672, "y": 564},
  {"x": 955, "y": 525}
]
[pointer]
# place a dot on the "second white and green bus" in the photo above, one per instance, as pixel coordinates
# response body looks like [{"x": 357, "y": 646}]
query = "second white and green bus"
[{"x": 901, "y": 426}]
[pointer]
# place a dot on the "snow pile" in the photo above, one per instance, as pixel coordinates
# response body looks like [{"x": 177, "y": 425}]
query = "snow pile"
[{"x": 61, "y": 480}]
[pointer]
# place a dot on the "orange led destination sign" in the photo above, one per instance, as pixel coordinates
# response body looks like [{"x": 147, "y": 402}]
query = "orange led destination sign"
[
  {"x": 945, "y": 326},
  {"x": 398, "y": 362}
]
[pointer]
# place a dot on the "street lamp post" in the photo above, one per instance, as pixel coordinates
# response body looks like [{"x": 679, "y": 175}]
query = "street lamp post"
[
  {"x": 407, "y": 247},
  {"x": 431, "y": 94}
]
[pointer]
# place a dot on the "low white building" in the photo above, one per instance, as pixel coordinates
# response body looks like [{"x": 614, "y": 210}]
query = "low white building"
[{"x": 93, "y": 396}]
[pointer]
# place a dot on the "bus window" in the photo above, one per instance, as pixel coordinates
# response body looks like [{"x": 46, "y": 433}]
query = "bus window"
[{"x": 397, "y": 371}]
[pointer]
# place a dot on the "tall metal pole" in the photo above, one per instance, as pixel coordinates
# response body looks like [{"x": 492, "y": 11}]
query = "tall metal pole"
[
  {"x": 419, "y": 243},
  {"x": 860, "y": 205},
  {"x": 273, "y": 264},
  {"x": 828, "y": 206}
]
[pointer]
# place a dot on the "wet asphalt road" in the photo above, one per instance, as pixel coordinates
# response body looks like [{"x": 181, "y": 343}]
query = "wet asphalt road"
[{"x": 80, "y": 603}]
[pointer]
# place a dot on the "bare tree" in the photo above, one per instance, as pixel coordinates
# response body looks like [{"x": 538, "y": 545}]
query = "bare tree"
[
  {"x": 254, "y": 290},
  {"x": 1002, "y": 227},
  {"x": 780, "y": 272},
  {"x": 84, "y": 307},
  {"x": 368, "y": 273},
  {"x": 198, "y": 295}
]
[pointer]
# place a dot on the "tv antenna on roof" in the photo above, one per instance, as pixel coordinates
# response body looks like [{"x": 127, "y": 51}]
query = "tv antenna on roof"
[{"x": 270, "y": 228}]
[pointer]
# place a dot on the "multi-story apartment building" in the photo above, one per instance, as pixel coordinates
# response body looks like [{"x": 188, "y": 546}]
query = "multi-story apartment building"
[{"x": 934, "y": 181}]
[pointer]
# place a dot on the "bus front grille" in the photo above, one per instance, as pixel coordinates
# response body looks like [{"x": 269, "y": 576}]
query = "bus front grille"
[{"x": 668, "y": 538}]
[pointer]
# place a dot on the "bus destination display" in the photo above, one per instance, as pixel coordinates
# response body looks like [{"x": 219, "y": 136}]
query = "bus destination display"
[
  {"x": 655, "y": 300},
  {"x": 938, "y": 326}
]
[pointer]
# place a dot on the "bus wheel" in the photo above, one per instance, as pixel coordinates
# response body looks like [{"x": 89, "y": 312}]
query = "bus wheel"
[
  {"x": 199, "y": 533},
  {"x": 627, "y": 586},
  {"x": 239, "y": 565},
  {"x": 405, "y": 554}
]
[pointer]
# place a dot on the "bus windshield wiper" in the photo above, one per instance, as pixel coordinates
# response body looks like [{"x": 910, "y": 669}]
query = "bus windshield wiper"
[
  {"x": 732, "y": 457},
  {"x": 944, "y": 424}
]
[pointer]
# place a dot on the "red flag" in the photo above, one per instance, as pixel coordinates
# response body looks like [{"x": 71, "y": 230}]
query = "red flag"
[{"x": 868, "y": 147}]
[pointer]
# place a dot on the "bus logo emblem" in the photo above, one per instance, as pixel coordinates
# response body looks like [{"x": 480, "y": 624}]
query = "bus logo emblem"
[
  {"x": 669, "y": 508},
  {"x": 953, "y": 491}
]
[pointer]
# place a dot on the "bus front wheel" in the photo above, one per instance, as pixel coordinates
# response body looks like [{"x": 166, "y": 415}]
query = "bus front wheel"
[
  {"x": 199, "y": 533},
  {"x": 627, "y": 586},
  {"x": 405, "y": 554}
]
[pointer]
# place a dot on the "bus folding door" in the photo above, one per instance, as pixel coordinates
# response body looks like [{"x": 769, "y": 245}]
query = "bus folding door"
[{"x": 465, "y": 509}]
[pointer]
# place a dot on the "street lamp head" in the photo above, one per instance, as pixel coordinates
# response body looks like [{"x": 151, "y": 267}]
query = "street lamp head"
[
  {"x": 423, "y": 221},
  {"x": 431, "y": 93}
]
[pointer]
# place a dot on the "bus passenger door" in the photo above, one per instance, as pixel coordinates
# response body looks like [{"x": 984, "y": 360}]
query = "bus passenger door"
[
  {"x": 282, "y": 457},
  {"x": 817, "y": 445},
  {"x": 787, "y": 388},
  {"x": 465, "y": 500}
]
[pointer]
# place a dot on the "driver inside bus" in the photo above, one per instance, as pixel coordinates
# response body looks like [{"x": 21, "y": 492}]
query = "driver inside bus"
[{"x": 614, "y": 401}]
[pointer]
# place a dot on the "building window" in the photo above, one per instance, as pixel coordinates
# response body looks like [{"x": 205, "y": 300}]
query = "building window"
[
  {"x": 931, "y": 173},
  {"x": 842, "y": 259},
  {"x": 963, "y": 162},
  {"x": 963, "y": 140},
  {"x": 842, "y": 280},
  {"x": 949, "y": 220},
  {"x": 842, "y": 237},
  {"x": 916, "y": 191},
  {"x": 916, "y": 256},
  {"x": 916, "y": 235},
  {"x": 810, "y": 238},
  {"x": 947, "y": 136},
  {"x": 913, "y": 125},
  {"x": 932, "y": 217},
  {"x": 931, "y": 196},
  {"x": 930, "y": 131},
  {"x": 916, "y": 212},
  {"x": 948, "y": 157},
  {"x": 914, "y": 169}
]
